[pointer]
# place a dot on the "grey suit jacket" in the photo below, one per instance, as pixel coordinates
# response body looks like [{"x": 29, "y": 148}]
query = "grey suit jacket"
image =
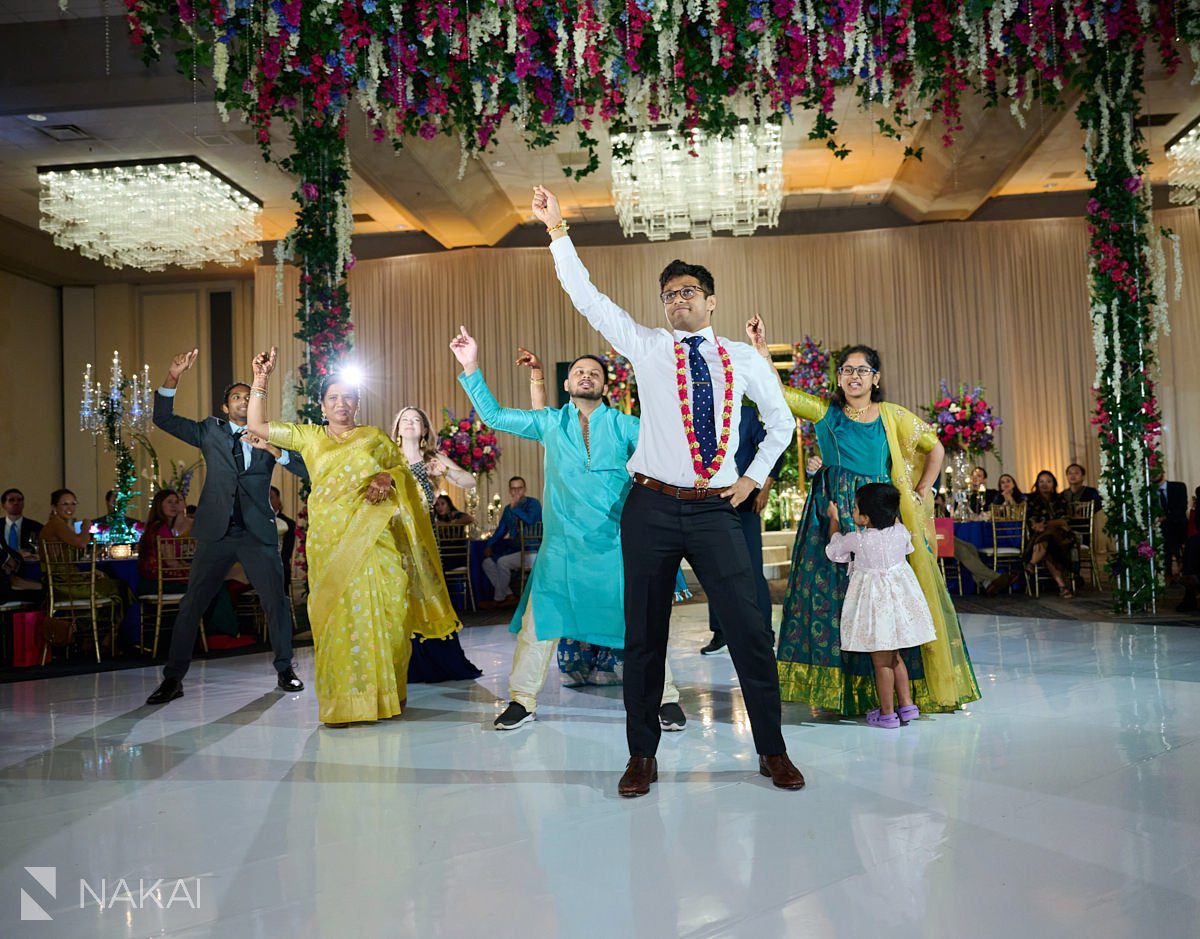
[{"x": 224, "y": 475}]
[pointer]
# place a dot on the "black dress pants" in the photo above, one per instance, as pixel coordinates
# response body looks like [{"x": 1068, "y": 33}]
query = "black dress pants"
[{"x": 657, "y": 532}]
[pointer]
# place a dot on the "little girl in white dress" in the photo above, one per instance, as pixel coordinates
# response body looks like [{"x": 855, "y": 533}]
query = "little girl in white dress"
[{"x": 884, "y": 610}]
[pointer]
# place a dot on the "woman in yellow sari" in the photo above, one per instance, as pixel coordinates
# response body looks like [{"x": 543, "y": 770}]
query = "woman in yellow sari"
[
  {"x": 863, "y": 439},
  {"x": 375, "y": 580}
]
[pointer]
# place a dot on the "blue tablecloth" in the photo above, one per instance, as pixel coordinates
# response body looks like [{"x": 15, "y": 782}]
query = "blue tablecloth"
[{"x": 980, "y": 535}]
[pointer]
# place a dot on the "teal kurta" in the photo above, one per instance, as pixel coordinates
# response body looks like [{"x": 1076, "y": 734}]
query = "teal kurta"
[{"x": 577, "y": 587}]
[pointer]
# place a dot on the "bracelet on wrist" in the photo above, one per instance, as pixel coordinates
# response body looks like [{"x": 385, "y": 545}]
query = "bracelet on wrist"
[
  {"x": 562, "y": 226},
  {"x": 537, "y": 381}
]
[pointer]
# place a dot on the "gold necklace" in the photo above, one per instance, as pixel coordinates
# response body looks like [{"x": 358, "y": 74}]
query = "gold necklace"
[
  {"x": 855, "y": 414},
  {"x": 340, "y": 438}
]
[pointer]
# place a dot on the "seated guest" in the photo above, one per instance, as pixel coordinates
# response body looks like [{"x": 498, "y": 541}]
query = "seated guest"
[
  {"x": 1193, "y": 521},
  {"x": 1076, "y": 491},
  {"x": 446, "y": 513},
  {"x": 106, "y": 521},
  {"x": 63, "y": 528},
  {"x": 20, "y": 533},
  {"x": 981, "y": 497},
  {"x": 1008, "y": 493},
  {"x": 286, "y": 527},
  {"x": 166, "y": 513},
  {"x": 1050, "y": 538},
  {"x": 13, "y": 587},
  {"x": 1190, "y": 571},
  {"x": 502, "y": 554}
]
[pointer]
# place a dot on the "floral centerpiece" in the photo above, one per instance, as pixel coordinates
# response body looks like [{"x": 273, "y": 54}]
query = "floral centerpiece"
[
  {"x": 966, "y": 426},
  {"x": 622, "y": 383},
  {"x": 963, "y": 420},
  {"x": 469, "y": 442}
]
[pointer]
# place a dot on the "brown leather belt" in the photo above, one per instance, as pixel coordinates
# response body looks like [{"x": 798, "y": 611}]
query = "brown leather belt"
[{"x": 675, "y": 492}]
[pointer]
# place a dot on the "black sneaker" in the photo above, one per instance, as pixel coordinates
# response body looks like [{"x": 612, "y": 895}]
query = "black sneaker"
[
  {"x": 716, "y": 646},
  {"x": 671, "y": 717},
  {"x": 513, "y": 717}
]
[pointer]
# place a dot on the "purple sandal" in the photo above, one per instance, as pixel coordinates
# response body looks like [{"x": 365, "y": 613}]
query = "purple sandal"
[
  {"x": 886, "y": 721},
  {"x": 908, "y": 712}
]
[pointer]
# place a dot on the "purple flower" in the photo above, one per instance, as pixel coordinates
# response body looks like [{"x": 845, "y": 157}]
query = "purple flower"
[
  {"x": 1093, "y": 207},
  {"x": 1134, "y": 184},
  {"x": 1145, "y": 550},
  {"x": 310, "y": 191}
]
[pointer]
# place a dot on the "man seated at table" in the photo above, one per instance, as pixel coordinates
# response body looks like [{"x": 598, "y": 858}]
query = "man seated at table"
[
  {"x": 109, "y": 518},
  {"x": 502, "y": 554},
  {"x": 20, "y": 533},
  {"x": 1076, "y": 491},
  {"x": 981, "y": 496}
]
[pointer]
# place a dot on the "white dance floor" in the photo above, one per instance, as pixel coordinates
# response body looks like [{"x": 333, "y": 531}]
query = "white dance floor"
[{"x": 1065, "y": 803}]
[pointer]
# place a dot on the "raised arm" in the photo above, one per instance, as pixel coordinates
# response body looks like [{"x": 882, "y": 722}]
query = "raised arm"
[
  {"x": 256, "y": 412},
  {"x": 165, "y": 418},
  {"x": 537, "y": 377},
  {"x": 629, "y": 338},
  {"x": 527, "y": 424},
  {"x": 807, "y": 407}
]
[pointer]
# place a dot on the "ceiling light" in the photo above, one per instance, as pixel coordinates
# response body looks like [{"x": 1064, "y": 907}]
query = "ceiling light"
[
  {"x": 35, "y": 117},
  {"x": 176, "y": 211},
  {"x": 1050, "y": 186},
  {"x": 1183, "y": 164},
  {"x": 667, "y": 183},
  {"x": 498, "y": 164}
]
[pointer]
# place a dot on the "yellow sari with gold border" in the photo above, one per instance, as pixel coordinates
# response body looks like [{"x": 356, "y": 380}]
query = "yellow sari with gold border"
[{"x": 375, "y": 579}]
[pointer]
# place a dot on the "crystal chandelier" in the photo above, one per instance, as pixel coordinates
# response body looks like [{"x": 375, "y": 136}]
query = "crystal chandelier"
[
  {"x": 666, "y": 183},
  {"x": 1183, "y": 165},
  {"x": 147, "y": 215}
]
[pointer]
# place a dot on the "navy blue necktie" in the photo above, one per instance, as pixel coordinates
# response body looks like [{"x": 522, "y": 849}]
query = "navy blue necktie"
[{"x": 703, "y": 420}]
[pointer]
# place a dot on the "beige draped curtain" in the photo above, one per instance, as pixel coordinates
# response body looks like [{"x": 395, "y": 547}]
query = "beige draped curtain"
[{"x": 1003, "y": 304}]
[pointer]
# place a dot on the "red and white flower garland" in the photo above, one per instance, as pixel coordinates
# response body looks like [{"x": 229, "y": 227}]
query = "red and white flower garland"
[{"x": 705, "y": 473}]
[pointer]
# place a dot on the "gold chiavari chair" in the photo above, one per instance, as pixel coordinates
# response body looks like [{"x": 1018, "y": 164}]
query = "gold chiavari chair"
[
  {"x": 1081, "y": 521},
  {"x": 529, "y": 538},
  {"x": 454, "y": 549},
  {"x": 1008, "y": 536},
  {"x": 174, "y": 565},
  {"x": 71, "y": 593}
]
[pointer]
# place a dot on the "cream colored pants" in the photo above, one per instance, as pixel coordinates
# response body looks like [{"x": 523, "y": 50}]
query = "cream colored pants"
[{"x": 531, "y": 662}]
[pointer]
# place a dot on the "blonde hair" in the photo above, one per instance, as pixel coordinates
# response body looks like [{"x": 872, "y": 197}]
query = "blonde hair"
[{"x": 428, "y": 452}]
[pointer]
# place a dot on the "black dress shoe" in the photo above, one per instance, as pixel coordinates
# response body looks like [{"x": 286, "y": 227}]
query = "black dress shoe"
[
  {"x": 169, "y": 690},
  {"x": 640, "y": 772},
  {"x": 715, "y": 646},
  {"x": 289, "y": 682}
]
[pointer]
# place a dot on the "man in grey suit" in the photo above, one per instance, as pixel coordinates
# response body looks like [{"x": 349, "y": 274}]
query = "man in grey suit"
[{"x": 234, "y": 522}]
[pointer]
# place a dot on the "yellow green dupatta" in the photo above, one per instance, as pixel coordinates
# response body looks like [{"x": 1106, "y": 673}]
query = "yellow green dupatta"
[
  {"x": 340, "y": 472},
  {"x": 949, "y": 678}
]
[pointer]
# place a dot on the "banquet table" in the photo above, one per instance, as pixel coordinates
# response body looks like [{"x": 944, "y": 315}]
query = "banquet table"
[{"x": 980, "y": 535}]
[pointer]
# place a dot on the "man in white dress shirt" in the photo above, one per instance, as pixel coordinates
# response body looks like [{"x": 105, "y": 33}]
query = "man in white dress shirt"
[{"x": 686, "y": 488}]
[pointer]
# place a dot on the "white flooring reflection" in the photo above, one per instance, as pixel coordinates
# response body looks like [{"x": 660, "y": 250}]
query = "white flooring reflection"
[{"x": 1065, "y": 803}]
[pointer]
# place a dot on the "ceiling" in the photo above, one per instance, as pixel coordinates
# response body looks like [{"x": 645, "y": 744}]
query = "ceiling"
[{"x": 120, "y": 109}]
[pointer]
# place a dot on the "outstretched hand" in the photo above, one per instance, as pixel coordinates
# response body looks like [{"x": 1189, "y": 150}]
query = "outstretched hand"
[
  {"x": 466, "y": 350},
  {"x": 182, "y": 362},
  {"x": 264, "y": 365},
  {"x": 545, "y": 207},
  {"x": 528, "y": 359}
]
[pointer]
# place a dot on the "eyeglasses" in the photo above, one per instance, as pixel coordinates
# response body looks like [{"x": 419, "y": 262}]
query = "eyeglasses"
[
  {"x": 684, "y": 293},
  {"x": 863, "y": 371}
]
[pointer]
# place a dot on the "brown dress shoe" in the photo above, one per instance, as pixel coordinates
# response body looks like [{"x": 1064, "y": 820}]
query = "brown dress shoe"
[
  {"x": 640, "y": 772},
  {"x": 998, "y": 584},
  {"x": 782, "y": 771}
]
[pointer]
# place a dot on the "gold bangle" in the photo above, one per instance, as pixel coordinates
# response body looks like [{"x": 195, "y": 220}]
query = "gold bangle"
[
  {"x": 562, "y": 226},
  {"x": 257, "y": 393},
  {"x": 537, "y": 381}
]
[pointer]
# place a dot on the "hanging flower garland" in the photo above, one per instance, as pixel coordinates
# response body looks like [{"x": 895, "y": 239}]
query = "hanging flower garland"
[{"x": 426, "y": 67}]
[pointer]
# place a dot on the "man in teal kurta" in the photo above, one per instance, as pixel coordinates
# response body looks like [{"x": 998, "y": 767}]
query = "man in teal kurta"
[{"x": 576, "y": 589}]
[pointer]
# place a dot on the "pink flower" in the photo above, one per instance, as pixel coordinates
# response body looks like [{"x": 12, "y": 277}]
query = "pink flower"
[
  {"x": 1145, "y": 550},
  {"x": 310, "y": 191},
  {"x": 1134, "y": 184},
  {"x": 428, "y": 131}
]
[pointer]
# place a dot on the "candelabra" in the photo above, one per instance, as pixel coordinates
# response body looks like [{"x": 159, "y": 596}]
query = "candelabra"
[{"x": 124, "y": 408}]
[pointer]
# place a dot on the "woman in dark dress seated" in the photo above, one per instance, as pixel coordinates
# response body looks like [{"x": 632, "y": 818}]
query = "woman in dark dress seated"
[
  {"x": 1050, "y": 539},
  {"x": 445, "y": 512}
]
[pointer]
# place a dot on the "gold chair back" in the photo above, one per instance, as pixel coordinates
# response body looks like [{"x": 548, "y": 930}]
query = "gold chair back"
[
  {"x": 454, "y": 549},
  {"x": 71, "y": 590},
  {"x": 529, "y": 537}
]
